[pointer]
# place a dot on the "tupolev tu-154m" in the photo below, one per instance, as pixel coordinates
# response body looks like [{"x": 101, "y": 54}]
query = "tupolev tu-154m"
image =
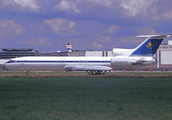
[{"x": 142, "y": 55}]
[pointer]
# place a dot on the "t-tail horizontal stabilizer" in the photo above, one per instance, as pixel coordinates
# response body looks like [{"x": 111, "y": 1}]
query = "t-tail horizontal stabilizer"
[
  {"x": 155, "y": 36},
  {"x": 150, "y": 45}
]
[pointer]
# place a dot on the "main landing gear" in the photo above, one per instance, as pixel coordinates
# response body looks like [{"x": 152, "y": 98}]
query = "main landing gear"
[
  {"x": 27, "y": 71},
  {"x": 95, "y": 72}
]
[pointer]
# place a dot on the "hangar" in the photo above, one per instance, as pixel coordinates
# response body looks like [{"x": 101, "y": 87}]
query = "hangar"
[{"x": 164, "y": 56}]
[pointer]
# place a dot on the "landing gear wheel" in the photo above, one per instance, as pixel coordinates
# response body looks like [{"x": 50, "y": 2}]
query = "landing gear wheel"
[{"x": 95, "y": 72}]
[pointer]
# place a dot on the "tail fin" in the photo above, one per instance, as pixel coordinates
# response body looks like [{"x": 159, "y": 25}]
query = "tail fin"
[{"x": 150, "y": 45}]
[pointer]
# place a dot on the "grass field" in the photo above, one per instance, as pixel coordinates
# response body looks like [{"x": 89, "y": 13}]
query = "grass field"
[
  {"x": 85, "y": 73},
  {"x": 116, "y": 74},
  {"x": 85, "y": 98}
]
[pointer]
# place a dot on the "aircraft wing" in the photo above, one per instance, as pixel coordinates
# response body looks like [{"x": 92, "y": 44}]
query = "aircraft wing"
[{"x": 87, "y": 68}]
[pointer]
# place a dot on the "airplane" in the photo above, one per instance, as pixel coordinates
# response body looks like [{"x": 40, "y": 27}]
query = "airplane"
[{"x": 142, "y": 55}]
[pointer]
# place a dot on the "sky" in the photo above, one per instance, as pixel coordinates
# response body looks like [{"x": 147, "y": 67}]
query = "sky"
[{"x": 48, "y": 25}]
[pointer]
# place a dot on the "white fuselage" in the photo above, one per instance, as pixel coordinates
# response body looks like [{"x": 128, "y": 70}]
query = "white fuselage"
[
  {"x": 59, "y": 63},
  {"x": 54, "y": 63}
]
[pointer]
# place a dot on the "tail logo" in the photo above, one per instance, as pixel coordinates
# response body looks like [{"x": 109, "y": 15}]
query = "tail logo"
[{"x": 149, "y": 45}]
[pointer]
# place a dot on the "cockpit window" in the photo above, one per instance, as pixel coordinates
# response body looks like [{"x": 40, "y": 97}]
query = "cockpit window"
[{"x": 10, "y": 61}]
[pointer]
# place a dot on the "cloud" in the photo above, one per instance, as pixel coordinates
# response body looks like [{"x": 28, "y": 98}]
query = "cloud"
[
  {"x": 147, "y": 31},
  {"x": 99, "y": 43},
  {"x": 103, "y": 43},
  {"x": 168, "y": 15},
  {"x": 103, "y": 39},
  {"x": 66, "y": 5},
  {"x": 130, "y": 41},
  {"x": 38, "y": 41},
  {"x": 128, "y": 8},
  {"x": 72, "y": 5},
  {"x": 111, "y": 29},
  {"x": 135, "y": 41},
  {"x": 21, "y": 4},
  {"x": 28, "y": 4},
  {"x": 133, "y": 8},
  {"x": 61, "y": 26},
  {"x": 105, "y": 3},
  {"x": 10, "y": 29}
]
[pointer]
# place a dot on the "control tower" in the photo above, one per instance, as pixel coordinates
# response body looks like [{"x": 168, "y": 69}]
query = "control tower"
[{"x": 69, "y": 47}]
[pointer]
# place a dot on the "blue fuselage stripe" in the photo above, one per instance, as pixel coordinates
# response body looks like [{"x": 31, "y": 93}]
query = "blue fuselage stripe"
[{"x": 58, "y": 61}]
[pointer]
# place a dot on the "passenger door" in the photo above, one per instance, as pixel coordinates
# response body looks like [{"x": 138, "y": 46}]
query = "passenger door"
[
  {"x": 62, "y": 61},
  {"x": 22, "y": 61}
]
